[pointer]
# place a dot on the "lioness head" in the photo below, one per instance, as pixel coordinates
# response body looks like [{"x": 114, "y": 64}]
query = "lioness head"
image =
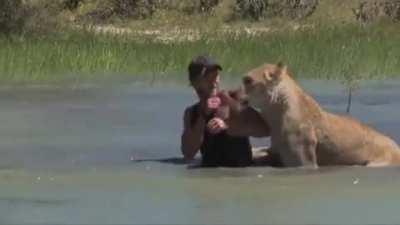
[
  {"x": 232, "y": 101},
  {"x": 260, "y": 82},
  {"x": 239, "y": 95}
]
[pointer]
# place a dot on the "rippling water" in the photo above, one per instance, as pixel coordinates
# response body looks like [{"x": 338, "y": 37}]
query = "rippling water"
[{"x": 111, "y": 155}]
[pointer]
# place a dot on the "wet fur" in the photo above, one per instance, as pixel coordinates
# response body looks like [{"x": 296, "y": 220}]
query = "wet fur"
[{"x": 306, "y": 135}]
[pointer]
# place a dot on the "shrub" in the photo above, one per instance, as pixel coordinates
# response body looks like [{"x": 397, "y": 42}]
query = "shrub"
[
  {"x": 293, "y": 9},
  {"x": 206, "y": 6},
  {"x": 373, "y": 10},
  {"x": 72, "y": 4},
  {"x": 11, "y": 16},
  {"x": 135, "y": 8},
  {"x": 254, "y": 9},
  {"x": 258, "y": 9}
]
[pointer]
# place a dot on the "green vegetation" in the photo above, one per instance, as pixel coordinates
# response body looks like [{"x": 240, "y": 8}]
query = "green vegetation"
[
  {"x": 326, "y": 53},
  {"x": 328, "y": 40}
]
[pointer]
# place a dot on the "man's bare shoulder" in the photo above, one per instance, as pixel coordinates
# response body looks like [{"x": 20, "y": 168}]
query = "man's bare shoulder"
[
  {"x": 188, "y": 114},
  {"x": 189, "y": 109}
]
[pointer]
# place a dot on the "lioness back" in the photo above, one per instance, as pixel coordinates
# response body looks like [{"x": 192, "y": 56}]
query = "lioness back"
[{"x": 344, "y": 140}]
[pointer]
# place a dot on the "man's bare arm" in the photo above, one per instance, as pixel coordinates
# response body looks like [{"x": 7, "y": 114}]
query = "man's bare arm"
[{"x": 192, "y": 136}]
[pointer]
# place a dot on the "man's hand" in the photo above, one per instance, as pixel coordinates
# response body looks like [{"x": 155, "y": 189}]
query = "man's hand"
[{"x": 216, "y": 125}]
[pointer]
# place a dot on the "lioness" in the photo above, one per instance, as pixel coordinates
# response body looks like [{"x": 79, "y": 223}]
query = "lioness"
[{"x": 306, "y": 135}]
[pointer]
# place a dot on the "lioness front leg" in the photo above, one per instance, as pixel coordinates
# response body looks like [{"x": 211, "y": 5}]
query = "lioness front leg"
[
  {"x": 309, "y": 148},
  {"x": 304, "y": 145},
  {"x": 307, "y": 152}
]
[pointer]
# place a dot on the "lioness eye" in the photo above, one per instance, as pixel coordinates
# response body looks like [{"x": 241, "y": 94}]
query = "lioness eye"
[{"x": 247, "y": 80}]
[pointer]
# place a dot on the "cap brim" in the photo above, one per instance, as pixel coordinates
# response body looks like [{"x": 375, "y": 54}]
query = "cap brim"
[{"x": 214, "y": 66}]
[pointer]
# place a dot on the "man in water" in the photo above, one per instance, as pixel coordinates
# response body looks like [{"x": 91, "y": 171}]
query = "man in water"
[{"x": 221, "y": 138}]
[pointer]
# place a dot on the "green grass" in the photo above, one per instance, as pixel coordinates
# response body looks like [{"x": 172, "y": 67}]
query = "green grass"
[{"x": 339, "y": 52}]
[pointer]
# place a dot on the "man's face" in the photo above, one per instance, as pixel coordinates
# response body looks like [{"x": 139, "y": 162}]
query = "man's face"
[{"x": 204, "y": 85}]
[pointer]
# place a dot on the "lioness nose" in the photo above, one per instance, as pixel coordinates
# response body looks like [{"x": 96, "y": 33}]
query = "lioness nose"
[{"x": 247, "y": 80}]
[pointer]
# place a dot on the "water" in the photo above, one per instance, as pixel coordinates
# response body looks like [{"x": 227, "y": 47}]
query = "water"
[{"x": 111, "y": 156}]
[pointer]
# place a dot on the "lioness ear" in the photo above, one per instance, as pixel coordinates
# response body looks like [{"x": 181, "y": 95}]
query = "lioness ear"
[
  {"x": 282, "y": 67},
  {"x": 273, "y": 75},
  {"x": 267, "y": 75}
]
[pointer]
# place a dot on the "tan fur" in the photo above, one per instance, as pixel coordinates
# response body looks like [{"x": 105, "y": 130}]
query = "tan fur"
[{"x": 306, "y": 135}]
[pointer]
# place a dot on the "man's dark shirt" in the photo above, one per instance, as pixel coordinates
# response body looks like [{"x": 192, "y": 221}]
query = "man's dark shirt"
[{"x": 222, "y": 149}]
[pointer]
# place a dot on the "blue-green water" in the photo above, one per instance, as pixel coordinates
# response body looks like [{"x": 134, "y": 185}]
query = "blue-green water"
[{"x": 111, "y": 156}]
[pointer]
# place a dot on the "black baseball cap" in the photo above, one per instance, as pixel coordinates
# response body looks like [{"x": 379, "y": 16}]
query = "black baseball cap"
[{"x": 201, "y": 65}]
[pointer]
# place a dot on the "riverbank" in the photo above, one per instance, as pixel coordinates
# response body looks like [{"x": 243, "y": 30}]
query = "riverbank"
[
  {"x": 347, "y": 52},
  {"x": 46, "y": 43}
]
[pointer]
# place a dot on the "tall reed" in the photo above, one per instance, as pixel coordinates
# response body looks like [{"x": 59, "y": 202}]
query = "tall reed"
[{"x": 342, "y": 53}]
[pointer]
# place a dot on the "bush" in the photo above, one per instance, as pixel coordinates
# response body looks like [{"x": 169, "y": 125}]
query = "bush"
[
  {"x": 11, "y": 16},
  {"x": 188, "y": 6},
  {"x": 72, "y": 4},
  {"x": 258, "y": 9},
  {"x": 206, "y": 6},
  {"x": 373, "y": 10},
  {"x": 20, "y": 16},
  {"x": 294, "y": 9},
  {"x": 142, "y": 9},
  {"x": 137, "y": 9},
  {"x": 254, "y": 9},
  {"x": 43, "y": 17}
]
